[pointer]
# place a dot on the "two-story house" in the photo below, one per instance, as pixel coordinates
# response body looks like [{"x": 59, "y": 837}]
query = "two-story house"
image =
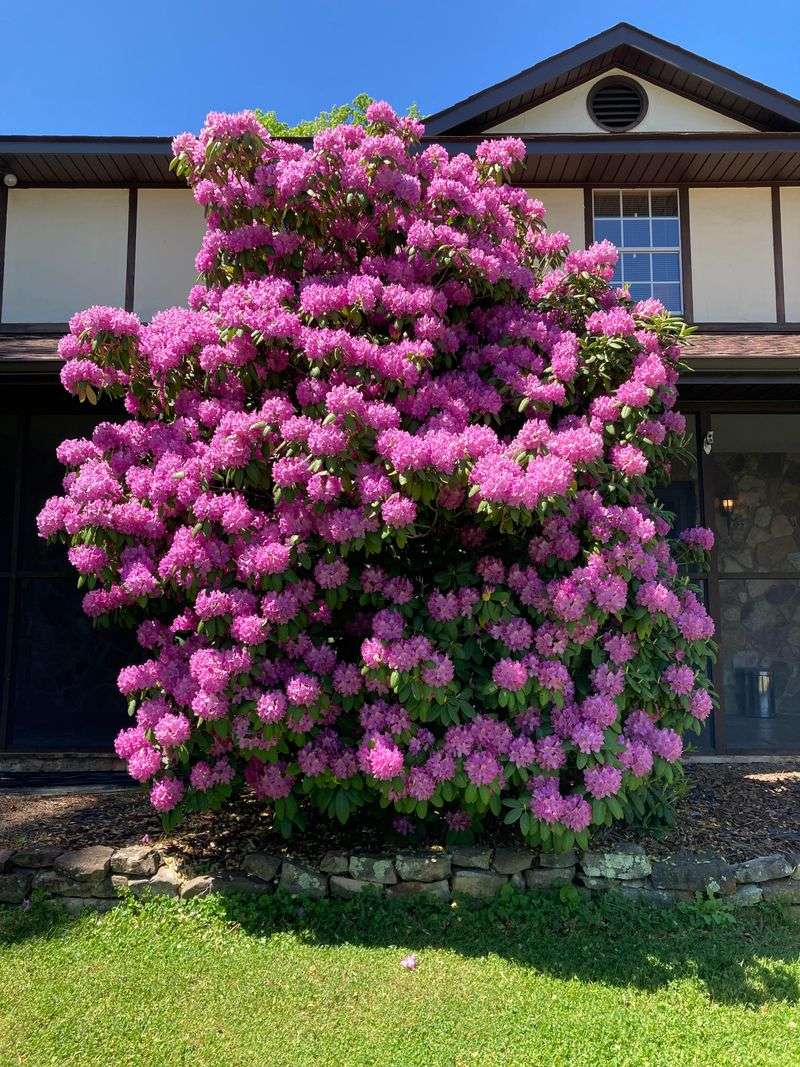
[{"x": 692, "y": 170}]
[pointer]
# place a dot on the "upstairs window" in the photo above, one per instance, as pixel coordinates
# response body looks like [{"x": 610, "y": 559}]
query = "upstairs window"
[{"x": 644, "y": 224}]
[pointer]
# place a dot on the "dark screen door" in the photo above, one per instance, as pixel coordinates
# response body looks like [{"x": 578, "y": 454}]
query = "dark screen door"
[{"x": 58, "y": 673}]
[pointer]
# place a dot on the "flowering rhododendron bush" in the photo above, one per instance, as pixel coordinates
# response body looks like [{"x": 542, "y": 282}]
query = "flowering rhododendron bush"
[{"x": 383, "y": 508}]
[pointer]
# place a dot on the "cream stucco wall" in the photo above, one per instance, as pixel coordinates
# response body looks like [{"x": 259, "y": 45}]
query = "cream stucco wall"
[
  {"x": 790, "y": 242},
  {"x": 564, "y": 212},
  {"x": 65, "y": 249},
  {"x": 666, "y": 113},
  {"x": 733, "y": 269},
  {"x": 169, "y": 228}
]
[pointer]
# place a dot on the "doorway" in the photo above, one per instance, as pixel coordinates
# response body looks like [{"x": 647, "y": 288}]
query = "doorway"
[{"x": 750, "y": 474}]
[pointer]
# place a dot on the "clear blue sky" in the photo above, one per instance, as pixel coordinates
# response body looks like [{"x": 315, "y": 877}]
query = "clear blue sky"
[{"x": 157, "y": 66}]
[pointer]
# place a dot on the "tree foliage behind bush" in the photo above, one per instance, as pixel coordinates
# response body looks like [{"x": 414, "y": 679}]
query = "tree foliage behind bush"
[
  {"x": 353, "y": 113},
  {"x": 383, "y": 506}
]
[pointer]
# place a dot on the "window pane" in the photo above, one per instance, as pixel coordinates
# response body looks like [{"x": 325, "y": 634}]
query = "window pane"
[
  {"x": 682, "y": 495},
  {"x": 666, "y": 267},
  {"x": 64, "y": 693},
  {"x": 9, "y": 436},
  {"x": 760, "y": 663},
  {"x": 606, "y": 204},
  {"x": 636, "y": 266},
  {"x": 664, "y": 203},
  {"x": 669, "y": 294},
  {"x": 756, "y": 478},
  {"x": 42, "y": 478},
  {"x": 657, "y": 275},
  {"x": 608, "y": 230},
  {"x": 666, "y": 233},
  {"x": 635, "y": 204},
  {"x": 705, "y": 741},
  {"x": 616, "y": 278},
  {"x": 5, "y": 593},
  {"x": 636, "y": 233}
]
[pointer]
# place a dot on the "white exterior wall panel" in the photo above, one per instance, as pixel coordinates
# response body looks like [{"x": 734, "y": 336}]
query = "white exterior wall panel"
[
  {"x": 790, "y": 242},
  {"x": 65, "y": 250},
  {"x": 564, "y": 212},
  {"x": 733, "y": 266},
  {"x": 169, "y": 229},
  {"x": 667, "y": 112}
]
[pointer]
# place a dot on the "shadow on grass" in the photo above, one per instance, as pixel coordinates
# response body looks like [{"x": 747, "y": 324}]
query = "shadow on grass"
[{"x": 750, "y": 957}]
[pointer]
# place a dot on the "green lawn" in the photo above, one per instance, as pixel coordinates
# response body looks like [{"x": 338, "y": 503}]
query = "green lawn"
[{"x": 534, "y": 982}]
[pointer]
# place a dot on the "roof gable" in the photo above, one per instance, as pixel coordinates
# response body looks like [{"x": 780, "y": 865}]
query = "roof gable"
[
  {"x": 624, "y": 47},
  {"x": 667, "y": 112}
]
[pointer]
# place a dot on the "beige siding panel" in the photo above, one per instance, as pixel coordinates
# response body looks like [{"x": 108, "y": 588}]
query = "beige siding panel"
[
  {"x": 666, "y": 113},
  {"x": 564, "y": 212},
  {"x": 65, "y": 249},
  {"x": 790, "y": 233},
  {"x": 733, "y": 269},
  {"x": 169, "y": 228}
]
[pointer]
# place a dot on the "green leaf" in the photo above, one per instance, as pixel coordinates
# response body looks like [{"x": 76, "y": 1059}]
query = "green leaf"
[{"x": 342, "y": 806}]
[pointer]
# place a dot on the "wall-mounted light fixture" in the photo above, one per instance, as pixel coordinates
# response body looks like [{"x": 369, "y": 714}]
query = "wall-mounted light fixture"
[
  {"x": 9, "y": 180},
  {"x": 755, "y": 692},
  {"x": 727, "y": 505}
]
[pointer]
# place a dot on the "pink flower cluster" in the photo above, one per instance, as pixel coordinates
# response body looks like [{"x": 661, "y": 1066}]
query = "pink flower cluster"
[{"x": 381, "y": 505}]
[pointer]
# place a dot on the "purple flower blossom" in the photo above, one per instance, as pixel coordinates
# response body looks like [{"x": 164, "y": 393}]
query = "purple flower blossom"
[{"x": 510, "y": 674}]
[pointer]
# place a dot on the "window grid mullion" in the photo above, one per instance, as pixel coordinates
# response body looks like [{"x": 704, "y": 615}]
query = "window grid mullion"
[{"x": 674, "y": 286}]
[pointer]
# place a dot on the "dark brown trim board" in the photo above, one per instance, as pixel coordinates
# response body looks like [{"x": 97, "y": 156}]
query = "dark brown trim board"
[
  {"x": 686, "y": 253},
  {"x": 3, "y": 219},
  {"x": 130, "y": 265},
  {"x": 748, "y": 327},
  {"x": 777, "y": 247},
  {"x": 13, "y": 329},
  {"x": 588, "y": 215},
  {"x": 636, "y": 143},
  {"x": 11, "y": 144},
  {"x": 114, "y": 185}
]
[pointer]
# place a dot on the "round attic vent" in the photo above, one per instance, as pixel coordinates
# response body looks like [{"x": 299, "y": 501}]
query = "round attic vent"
[{"x": 617, "y": 104}]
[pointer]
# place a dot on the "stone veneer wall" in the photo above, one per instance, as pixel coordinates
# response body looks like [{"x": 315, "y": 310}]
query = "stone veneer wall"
[{"x": 91, "y": 878}]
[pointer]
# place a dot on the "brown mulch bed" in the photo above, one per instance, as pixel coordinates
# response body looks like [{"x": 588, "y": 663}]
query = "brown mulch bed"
[{"x": 740, "y": 811}]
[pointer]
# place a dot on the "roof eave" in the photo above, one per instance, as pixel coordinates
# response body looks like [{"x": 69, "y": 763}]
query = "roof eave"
[{"x": 476, "y": 105}]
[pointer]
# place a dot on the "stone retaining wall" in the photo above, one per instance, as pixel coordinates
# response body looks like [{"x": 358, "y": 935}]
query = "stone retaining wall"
[{"x": 92, "y": 878}]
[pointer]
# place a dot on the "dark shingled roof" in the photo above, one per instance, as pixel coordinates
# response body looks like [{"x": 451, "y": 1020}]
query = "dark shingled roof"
[
  {"x": 744, "y": 346},
  {"x": 28, "y": 348},
  {"x": 39, "y": 352}
]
